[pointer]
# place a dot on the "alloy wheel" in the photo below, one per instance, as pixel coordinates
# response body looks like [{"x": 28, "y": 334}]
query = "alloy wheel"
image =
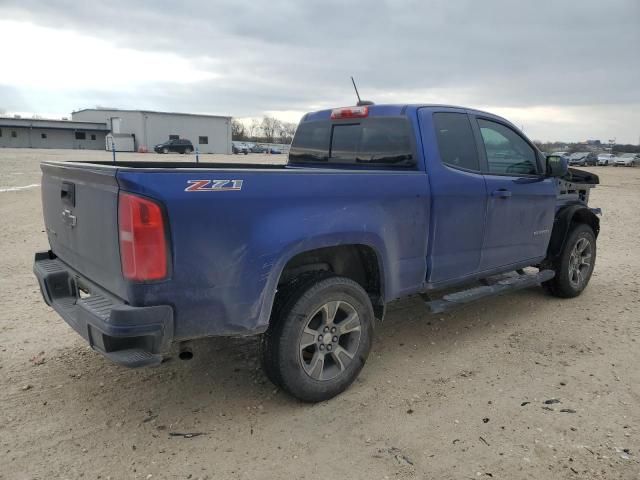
[{"x": 330, "y": 340}]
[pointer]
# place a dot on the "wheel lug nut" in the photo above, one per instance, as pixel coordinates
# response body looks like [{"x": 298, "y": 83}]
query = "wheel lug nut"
[
  {"x": 326, "y": 329},
  {"x": 333, "y": 330},
  {"x": 329, "y": 347},
  {"x": 319, "y": 338},
  {"x": 321, "y": 347},
  {"x": 335, "y": 339}
]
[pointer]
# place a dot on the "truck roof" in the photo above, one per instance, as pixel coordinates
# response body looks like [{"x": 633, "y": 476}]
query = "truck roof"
[{"x": 397, "y": 109}]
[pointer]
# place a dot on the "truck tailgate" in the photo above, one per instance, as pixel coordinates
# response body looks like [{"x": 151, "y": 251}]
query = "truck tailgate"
[{"x": 80, "y": 206}]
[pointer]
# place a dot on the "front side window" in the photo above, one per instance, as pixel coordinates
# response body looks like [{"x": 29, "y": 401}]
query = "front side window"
[
  {"x": 507, "y": 152},
  {"x": 382, "y": 141},
  {"x": 455, "y": 140}
]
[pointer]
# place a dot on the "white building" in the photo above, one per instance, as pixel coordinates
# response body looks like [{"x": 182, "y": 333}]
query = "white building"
[{"x": 208, "y": 133}]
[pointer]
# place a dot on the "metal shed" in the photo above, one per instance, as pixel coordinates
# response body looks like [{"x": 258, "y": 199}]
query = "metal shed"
[{"x": 209, "y": 133}]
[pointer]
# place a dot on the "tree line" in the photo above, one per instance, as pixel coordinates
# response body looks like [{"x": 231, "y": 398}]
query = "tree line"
[{"x": 268, "y": 130}]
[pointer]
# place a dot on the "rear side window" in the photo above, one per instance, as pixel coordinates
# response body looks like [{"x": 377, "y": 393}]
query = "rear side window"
[
  {"x": 383, "y": 141},
  {"x": 455, "y": 141}
]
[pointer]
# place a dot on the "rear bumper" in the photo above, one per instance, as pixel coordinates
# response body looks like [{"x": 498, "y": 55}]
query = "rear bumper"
[{"x": 129, "y": 336}]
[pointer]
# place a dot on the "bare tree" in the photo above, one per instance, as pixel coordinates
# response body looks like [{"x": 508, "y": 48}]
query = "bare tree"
[
  {"x": 254, "y": 128},
  {"x": 270, "y": 126},
  {"x": 287, "y": 130},
  {"x": 237, "y": 130}
]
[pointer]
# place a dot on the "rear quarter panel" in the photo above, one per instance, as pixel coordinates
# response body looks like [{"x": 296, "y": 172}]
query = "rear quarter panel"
[{"x": 230, "y": 247}]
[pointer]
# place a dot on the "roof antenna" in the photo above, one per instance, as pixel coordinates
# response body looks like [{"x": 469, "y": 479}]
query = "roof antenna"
[{"x": 360, "y": 102}]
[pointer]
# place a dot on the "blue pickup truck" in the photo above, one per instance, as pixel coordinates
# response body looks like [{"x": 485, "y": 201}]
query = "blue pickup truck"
[{"x": 376, "y": 202}]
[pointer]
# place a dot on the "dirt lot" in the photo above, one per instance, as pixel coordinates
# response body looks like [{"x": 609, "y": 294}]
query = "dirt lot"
[{"x": 459, "y": 395}]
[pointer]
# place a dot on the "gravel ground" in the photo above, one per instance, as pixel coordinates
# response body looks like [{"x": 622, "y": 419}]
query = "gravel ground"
[{"x": 521, "y": 386}]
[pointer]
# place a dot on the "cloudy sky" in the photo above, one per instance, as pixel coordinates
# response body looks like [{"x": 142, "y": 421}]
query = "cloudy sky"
[{"x": 565, "y": 70}]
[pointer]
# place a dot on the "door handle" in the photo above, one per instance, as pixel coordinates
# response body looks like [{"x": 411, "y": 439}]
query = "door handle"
[{"x": 501, "y": 193}]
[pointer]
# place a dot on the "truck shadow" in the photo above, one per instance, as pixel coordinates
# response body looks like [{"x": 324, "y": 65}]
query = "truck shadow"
[{"x": 224, "y": 381}]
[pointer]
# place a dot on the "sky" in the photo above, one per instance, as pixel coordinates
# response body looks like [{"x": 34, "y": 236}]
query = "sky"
[{"x": 561, "y": 69}]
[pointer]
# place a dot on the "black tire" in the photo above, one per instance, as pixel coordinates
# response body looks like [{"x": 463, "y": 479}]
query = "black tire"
[
  {"x": 305, "y": 305},
  {"x": 575, "y": 264}
]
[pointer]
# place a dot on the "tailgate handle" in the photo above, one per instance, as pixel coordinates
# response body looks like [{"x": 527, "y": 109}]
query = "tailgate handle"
[{"x": 68, "y": 193}]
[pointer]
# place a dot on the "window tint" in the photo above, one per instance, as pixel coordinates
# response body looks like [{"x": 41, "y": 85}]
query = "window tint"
[
  {"x": 81, "y": 136},
  {"x": 507, "y": 152},
  {"x": 203, "y": 140},
  {"x": 379, "y": 141},
  {"x": 455, "y": 140},
  {"x": 311, "y": 142}
]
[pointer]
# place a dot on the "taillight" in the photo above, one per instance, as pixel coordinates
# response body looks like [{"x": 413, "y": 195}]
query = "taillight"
[
  {"x": 143, "y": 243},
  {"x": 350, "y": 112}
]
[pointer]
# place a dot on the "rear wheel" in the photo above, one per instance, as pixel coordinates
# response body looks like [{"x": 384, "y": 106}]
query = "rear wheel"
[
  {"x": 187, "y": 150},
  {"x": 575, "y": 265},
  {"x": 319, "y": 337}
]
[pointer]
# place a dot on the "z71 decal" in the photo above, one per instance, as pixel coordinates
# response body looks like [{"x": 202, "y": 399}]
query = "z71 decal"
[{"x": 213, "y": 185}]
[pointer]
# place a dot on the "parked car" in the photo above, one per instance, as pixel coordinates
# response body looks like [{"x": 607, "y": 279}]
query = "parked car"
[
  {"x": 627, "y": 160},
  {"x": 275, "y": 151},
  {"x": 180, "y": 145},
  {"x": 258, "y": 148},
  {"x": 239, "y": 147},
  {"x": 146, "y": 255},
  {"x": 591, "y": 159},
  {"x": 605, "y": 159},
  {"x": 576, "y": 159},
  {"x": 583, "y": 159}
]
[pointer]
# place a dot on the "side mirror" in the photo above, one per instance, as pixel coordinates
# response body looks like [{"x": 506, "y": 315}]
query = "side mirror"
[{"x": 557, "y": 166}]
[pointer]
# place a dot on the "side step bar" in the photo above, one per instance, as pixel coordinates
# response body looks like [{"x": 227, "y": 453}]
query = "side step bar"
[{"x": 504, "y": 285}]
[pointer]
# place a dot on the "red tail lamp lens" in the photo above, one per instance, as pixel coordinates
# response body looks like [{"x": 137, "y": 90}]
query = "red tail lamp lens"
[{"x": 143, "y": 244}]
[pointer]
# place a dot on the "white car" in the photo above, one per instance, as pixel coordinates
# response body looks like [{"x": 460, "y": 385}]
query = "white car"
[
  {"x": 626, "y": 160},
  {"x": 606, "y": 158}
]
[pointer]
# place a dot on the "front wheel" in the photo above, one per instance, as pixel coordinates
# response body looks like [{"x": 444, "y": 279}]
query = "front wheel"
[
  {"x": 575, "y": 265},
  {"x": 187, "y": 151},
  {"x": 165, "y": 150},
  {"x": 319, "y": 337}
]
